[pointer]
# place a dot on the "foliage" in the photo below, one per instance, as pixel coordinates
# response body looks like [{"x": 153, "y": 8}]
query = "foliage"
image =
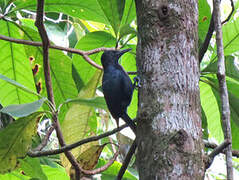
[{"x": 87, "y": 25}]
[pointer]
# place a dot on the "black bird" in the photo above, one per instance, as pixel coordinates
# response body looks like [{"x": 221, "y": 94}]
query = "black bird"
[{"x": 117, "y": 86}]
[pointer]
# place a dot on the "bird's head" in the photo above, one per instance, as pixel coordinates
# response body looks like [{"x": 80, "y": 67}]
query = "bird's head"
[{"x": 112, "y": 57}]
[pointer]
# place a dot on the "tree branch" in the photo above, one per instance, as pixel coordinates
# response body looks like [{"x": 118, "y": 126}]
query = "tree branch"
[
  {"x": 84, "y": 54},
  {"x": 215, "y": 152},
  {"x": 225, "y": 114},
  {"x": 74, "y": 145},
  {"x": 213, "y": 146},
  {"x": 230, "y": 15},
  {"x": 127, "y": 160},
  {"x": 103, "y": 168},
  {"x": 45, "y": 45}
]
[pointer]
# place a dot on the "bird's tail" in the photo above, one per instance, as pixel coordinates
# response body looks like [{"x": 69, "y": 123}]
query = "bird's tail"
[{"x": 129, "y": 121}]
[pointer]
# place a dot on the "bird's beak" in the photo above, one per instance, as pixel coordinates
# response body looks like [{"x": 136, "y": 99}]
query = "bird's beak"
[{"x": 121, "y": 52}]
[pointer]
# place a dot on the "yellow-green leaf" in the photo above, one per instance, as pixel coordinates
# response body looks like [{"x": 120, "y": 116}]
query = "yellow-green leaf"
[
  {"x": 76, "y": 123},
  {"x": 89, "y": 158},
  {"x": 15, "y": 140}
]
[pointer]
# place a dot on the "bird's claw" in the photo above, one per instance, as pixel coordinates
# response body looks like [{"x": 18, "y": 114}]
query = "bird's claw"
[{"x": 137, "y": 82}]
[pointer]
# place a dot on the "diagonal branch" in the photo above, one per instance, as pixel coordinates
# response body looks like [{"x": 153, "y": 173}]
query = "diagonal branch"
[
  {"x": 225, "y": 109},
  {"x": 45, "y": 139},
  {"x": 127, "y": 160},
  {"x": 215, "y": 152},
  {"x": 74, "y": 145}
]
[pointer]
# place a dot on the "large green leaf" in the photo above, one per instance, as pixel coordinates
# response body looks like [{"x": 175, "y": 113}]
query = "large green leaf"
[
  {"x": 113, "y": 10},
  {"x": 91, "y": 41},
  {"x": 17, "y": 85},
  {"x": 14, "y": 175},
  {"x": 55, "y": 173},
  {"x": 129, "y": 12},
  {"x": 22, "y": 110},
  {"x": 203, "y": 19},
  {"x": 88, "y": 10},
  {"x": 80, "y": 120},
  {"x": 14, "y": 64},
  {"x": 15, "y": 141},
  {"x": 211, "y": 111},
  {"x": 113, "y": 171},
  {"x": 231, "y": 37},
  {"x": 231, "y": 68},
  {"x": 233, "y": 102},
  {"x": 97, "y": 102},
  {"x": 32, "y": 167}
]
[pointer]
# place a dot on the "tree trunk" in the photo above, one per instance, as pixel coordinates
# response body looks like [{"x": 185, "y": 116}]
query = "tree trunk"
[{"x": 169, "y": 116}]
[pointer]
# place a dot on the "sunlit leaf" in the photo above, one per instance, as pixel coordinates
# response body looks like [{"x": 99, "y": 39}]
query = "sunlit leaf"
[
  {"x": 18, "y": 86},
  {"x": 80, "y": 120},
  {"x": 89, "y": 158},
  {"x": 97, "y": 102},
  {"x": 113, "y": 11},
  {"x": 88, "y": 10}
]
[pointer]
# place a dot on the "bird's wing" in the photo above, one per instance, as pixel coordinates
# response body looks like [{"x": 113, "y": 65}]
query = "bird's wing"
[{"x": 127, "y": 88}]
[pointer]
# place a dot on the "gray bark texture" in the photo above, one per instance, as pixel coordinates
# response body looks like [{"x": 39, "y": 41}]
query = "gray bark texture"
[{"x": 169, "y": 115}]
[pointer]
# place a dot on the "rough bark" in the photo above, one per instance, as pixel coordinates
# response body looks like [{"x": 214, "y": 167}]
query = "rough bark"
[{"x": 169, "y": 115}]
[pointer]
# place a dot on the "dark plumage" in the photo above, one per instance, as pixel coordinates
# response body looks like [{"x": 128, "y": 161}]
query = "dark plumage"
[{"x": 117, "y": 86}]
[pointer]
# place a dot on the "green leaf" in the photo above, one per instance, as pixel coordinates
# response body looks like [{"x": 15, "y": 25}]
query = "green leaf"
[
  {"x": 88, "y": 10},
  {"x": 80, "y": 120},
  {"x": 233, "y": 102},
  {"x": 231, "y": 68},
  {"x": 203, "y": 19},
  {"x": 14, "y": 175},
  {"x": 88, "y": 42},
  {"x": 113, "y": 170},
  {"x": 18, "y": 85},
  {"x": 113, "y": 11},
  {"x": 32, "y": 167},
  {"x": 210, "y": 107},
  {"x": 97, "y": 102},
  {"x": 55, "y": 173},
  {"x": 129, "y": 12},
  {"x": 15, "y": 141},
  {"x": 231, "y": 37},
  {"x": 15, "y": 65},
  {"x": 126, "y": 30},
  {"x": 23, "y": 110}
]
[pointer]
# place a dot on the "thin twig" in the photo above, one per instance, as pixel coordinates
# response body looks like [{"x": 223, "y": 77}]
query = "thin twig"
[
  {"x": 211, "y": 145},
  {"x": 45, "y": 45},
  {"x": 225, "y": 109},
  {"x": 215, "y": 152},
  {"x": 84, "y": 54},
  {"x": 103, "y": 168},
  {"x": 44, "y": 140},
  {"x": 127, "y": 160},
  {"x": 74, "y": 145},
  {"x": 230, "y": 15}
]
